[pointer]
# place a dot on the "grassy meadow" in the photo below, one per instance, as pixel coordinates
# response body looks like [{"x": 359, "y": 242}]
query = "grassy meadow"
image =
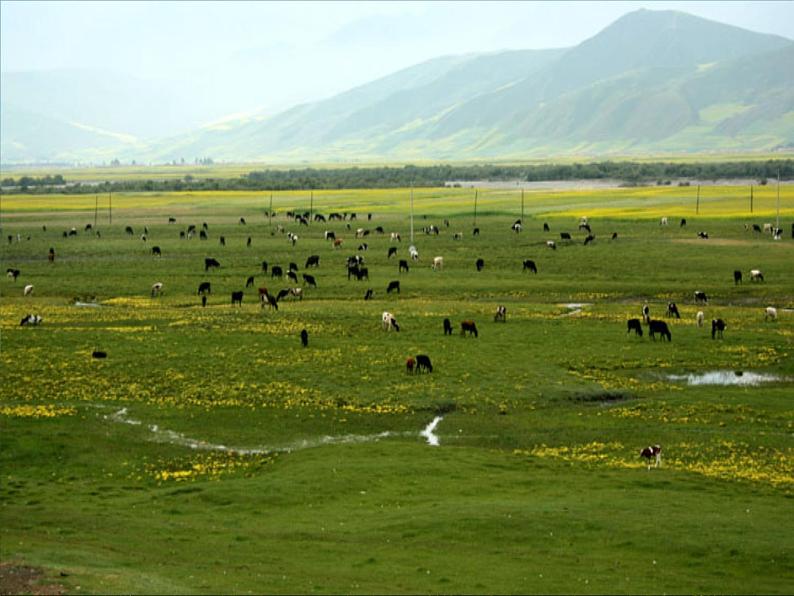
[{"x": 210, "y": 452}]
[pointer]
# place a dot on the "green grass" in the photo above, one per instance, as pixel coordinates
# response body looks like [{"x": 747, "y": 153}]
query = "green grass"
[{"x": 536, "y": 487}]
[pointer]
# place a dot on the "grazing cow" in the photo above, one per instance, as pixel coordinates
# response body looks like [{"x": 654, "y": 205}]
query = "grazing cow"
[
  {"x": 395, "y": 237},
  {"x": 447, "y": 327},
  {"x": 368, "y": 294},
  {"x": 457, "y": 236},
  {"x": 191, "y": 228},
  {"x": 501, "y": 314},
  {"x": 293, "y": 266},
  {"x": 551, "y": 244},
  {"x": 360, "y": 233},
  {"x": 529, "y": 264},
  {"x": 663, "y": 221},
  {"x": 242, "y": 221},
  {"x": 614, "y": 236},
  {"x": 717, "y": 327},
  {"x": 634, "y": 325},
  {"x": 475, "y": 232},
  {"x": 204, "y": 286},
  {"x": 28, "y": 290},
  {"x": 546, "y": 227},
  {"x": 51, "y": 255},
  {"x": 237, "y": 298},
  {"x": 699, "y": 318},
  {"x": 661, "y": 328},
  {"x": 202, "y": 235},
  {"x": 210, "y": 262},
  {"x": 468, "y": 326},
  {"x": 250, "y": 281},
  {"x": 768, "y": 228},
  {"x": 565, "y": 236},
  {"x": 172, "y": 220},
  {"x": 276, "y": 271},
  {"x": 438, "y": 264},
  {"x": 99, "y": 354},
  {"x": 389, "y": 322},
  {"x": 410, "y": 363},
  {"x": 143, "y": 237},
  {"x": 393, "y": 285},
  {"x": 296, "y": 293},
  {"x": 413, "y": 253},
  {"x": 770, "y": 313},
  {"x": 364, "y": 246},
  {"x": 516, "y": 227},
  {"x": 756, "y": 228},
  {"x": 737, "y": 277},
  {"x": 304, "y": 338},
  {"x": 403, "y": 266},
  {"x": 88, "y": 228},
  {"x": 672, "y": 310},
  {"x": 129, "y": 231},
  {"x": 585, "y": 226},
  {"x": 282, "y": 294},
  {"x": 701, "y": 298},
  {"x": 12, "y": 273},
  {"x": 292, "y": 275},
  {"x": 319, "y": 217},
  {"x": 479, "y": 264},
  {"x": 589, "y": 239},
  {"x": 756, "y": 275},
  {"x": 248, "y": 242},
  {"x": 360, "y": 273},
  {"x": 652, "y": 452},
  {"x": 268, "y": 298},
  {"x": 156, "y": 251},
  {"x": 312, "y": 261},
  {"x": 423, "y": 362},
  {"x": 157, "y": 289},
  {"x": 30, "y": 320},
  {"x": 683, "y": 223},
  {"x": 264, "y": 266},
  {"x": 646, "y": 313},
  {"x": 337, "y": 243},
  {"x": 392, "y": 252},
  {"x": 329, "y": 235},
  {"x": 309, "y": 280},
  {"x": 703, "y": 235}
]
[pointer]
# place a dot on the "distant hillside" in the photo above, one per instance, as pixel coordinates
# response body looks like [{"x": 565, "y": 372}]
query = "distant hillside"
[{"x": 652, "y": 82}]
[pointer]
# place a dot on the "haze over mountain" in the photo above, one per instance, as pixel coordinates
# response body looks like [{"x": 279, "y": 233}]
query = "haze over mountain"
[{"x": 652, "y": 82}]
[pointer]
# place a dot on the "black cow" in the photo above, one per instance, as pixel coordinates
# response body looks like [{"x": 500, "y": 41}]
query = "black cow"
[
  {"x": 737, "y": 277},
  {"x": 361, "y": 273},
  {"x": 292, "y": 275},
  {"x": 479, "y": 264},
  {"x": 530, "y": 264},
  {"x": 368, "y": 295},
  {"x": 447, "y": 327},
  {"x": 309, "y": 280},
  {"x": 172, "y": 220},
  {"x": 683, "y": 223},
  {"x": 403, "y": 266},
  {"x": 129, "y": 230},
  {"x": 191, "y": 228},
  {"x": 276, "y": 271},
  {"x": 423, "y": 362},
  {"x": 546, "y": 227},
  {"x": 392, "y": 252},
  {"x": 237, "y": 298},
  {"x": 756, "y": 228},
  {"x": 635, "y": 326},
  {"x": 701, "y": 298},
  {"x": 468, "y": 326},
  {"x": 223, "y": 240},
  {"x": 210, "y": 262},
  {"x": 204, "y": 300},
  {"x": 264, "y": 266},
  {"x": 659, "y": 327},
  {"x": 156, "y": 251},
  {"x": 99, "y": 354},
  {"x": 250, "y": 281},
  {"x": 293, "y": 266},
  {"x": 565, "y": 236},
  {"x": 703, "y": 235},
  {"x": 614, "y": 235},
  {"x": 282, "y": 294},
  {"x": 501, "y": 314},
  {"x": 202, "y": 235},
  {"x": 205, "y": 226},
  {"x": 304, "y": 338},
  {"x": 312, "y": 261},
  {"x": 393, "y": 285},
  {"x": 204, "y": 286},
  {"x": 248, "y": 242},
  {"x": 589, "y": 239},
  {"x": 242, "y": 221},
  {"x": 672, "y": 310},
  {"x": 717, "y": 327},
  {"x": 475, "y": 232}
]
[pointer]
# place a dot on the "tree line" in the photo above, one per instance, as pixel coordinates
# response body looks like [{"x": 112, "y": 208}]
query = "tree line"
[{"x": 630, "y": 173}]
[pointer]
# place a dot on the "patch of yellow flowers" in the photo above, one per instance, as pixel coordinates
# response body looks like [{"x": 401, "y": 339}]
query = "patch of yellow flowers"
[{"x": 39, "y": 411}]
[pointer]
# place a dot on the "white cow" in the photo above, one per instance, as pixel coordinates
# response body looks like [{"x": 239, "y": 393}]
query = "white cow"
[
  {"x": 756, "y": 275},
  {"x": 438, "y": 263},
  {"x": 413, "y": 252},
  {"x": 394, "y": 236},
  {"x": 770, "y": 313},
  {"x": 663, "y": 221},
  {"x": 700, "y": 317},
  {"x": 388, "y": 322},
  {"x": 157, "y": 288},
  {"x": 551, "y": 244},
  {"x": 28, "y": 290}
]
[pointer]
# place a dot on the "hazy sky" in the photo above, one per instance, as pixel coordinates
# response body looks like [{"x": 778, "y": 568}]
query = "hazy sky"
[{"x": 268, "y": 55}]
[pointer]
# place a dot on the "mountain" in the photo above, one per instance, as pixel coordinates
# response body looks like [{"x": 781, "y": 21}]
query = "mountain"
[{"x": 651, "y": 82}]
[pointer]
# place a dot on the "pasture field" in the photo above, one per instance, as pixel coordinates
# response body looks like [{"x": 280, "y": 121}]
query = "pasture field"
[{"x": 210, "y": 452}]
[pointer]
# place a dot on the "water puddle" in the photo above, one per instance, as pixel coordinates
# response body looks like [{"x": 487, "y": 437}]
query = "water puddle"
[
  {"x": 88, "y": 304},
  {"x": 177, "y": 438},
  {"x": 575, "y": 308},
  {"x": 727, "y": 377}
]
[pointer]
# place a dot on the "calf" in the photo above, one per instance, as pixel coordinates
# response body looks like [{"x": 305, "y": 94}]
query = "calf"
[
  {"x": 590, "y": 238},
  {"x": 717, "y": 327},
  {"x": 634, "y": 325},
  {"x": 737, "y": 277},
  {"x": 447, "y": 327},
  {"x": 211, "y": 263},
  {"x": 530, "y": 264},
  {"x": 479, "y": 264},
  {"x": 661, "y": 328},
  {"x": 468, "y": 326},
  {"x": 410, "y": 363},
  {"x": 237, "y": 298},
  {"x": 393, "y": 285},
  {"x": 423, "y": 363},
  {"x": 652, "y": 452},
  {"x": 312, "y": 261},
  {"x": 309, "y": 280},
  {"x": 672, "y": 310},
  {"x": 501, "y": 314}
]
